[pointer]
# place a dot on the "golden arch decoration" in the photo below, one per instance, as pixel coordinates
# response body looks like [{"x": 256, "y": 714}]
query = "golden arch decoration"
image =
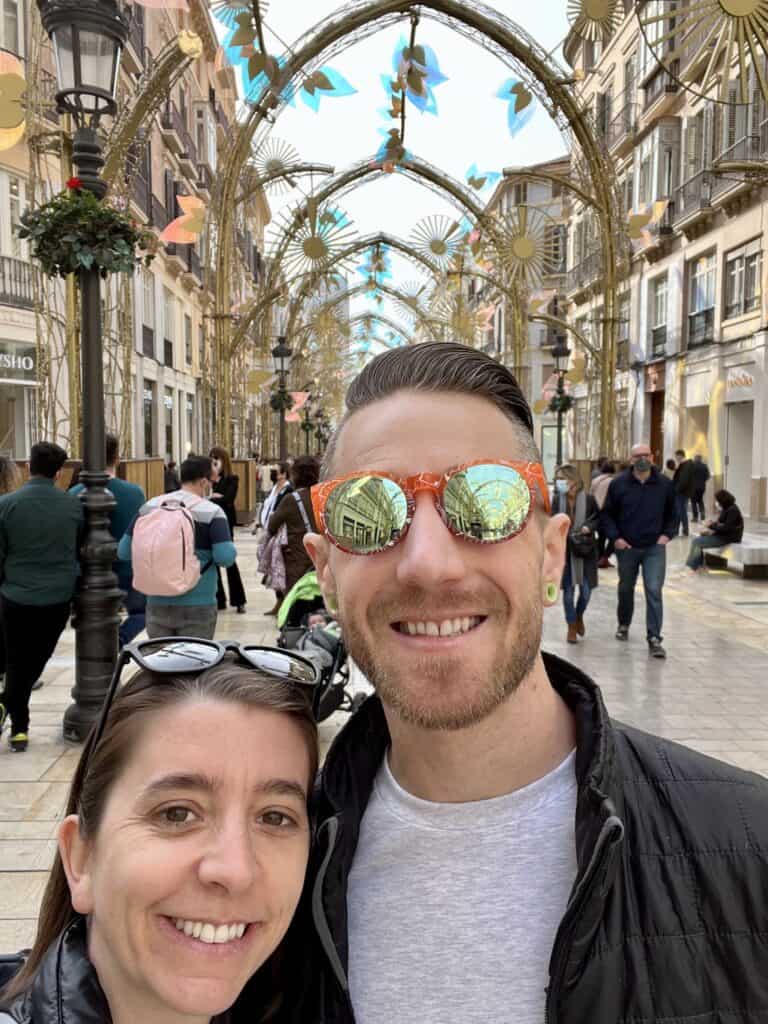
[{"x": 506, "y": 40}]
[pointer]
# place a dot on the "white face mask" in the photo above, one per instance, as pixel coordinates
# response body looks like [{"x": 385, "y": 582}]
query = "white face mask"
[{"x": 561, "y": 486}]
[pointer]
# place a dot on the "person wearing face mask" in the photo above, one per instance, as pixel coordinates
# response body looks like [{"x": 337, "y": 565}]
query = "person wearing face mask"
[
  {"x": 225, "y": 488},
  {"x": 581, "y": 554},
  {"x": 640, "y": 516}
]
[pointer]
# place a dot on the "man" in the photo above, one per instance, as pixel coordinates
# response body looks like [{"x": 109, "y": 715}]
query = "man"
[
  {"x": 640, "y": 517},
  {"x": 128, "y": 500},
  {"x": 685, "y": 487},
  {"x": 701, "y": 475},
  {"x": 39, "y": 543},
  {"x": 193, "y": 613},
  {"x": 491, "y": 846}
]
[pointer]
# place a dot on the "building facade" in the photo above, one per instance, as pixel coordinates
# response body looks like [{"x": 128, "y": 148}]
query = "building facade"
[
  {"x": 693, "y": 367},
  {"x": 158, "y": 327}
]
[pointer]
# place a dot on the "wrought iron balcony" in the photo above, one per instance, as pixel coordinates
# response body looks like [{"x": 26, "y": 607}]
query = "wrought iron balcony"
[
  {"x": 622, "y": 128},
  {"x": 584, "y": 273},
  {"x": 134, "y": 51},
  {"x": 205, "y": 178},
  {"x": 693, "y": 196},
  {"x": 194, "y": 264},
  {"x": 744, "y": 149},
  {"x": 141, "y": 195},
  {"x": 16, "y": 286},
  {"x": 662, "y": 83},
  {"x": 701, "y": 327},
  {"x": 659, "y": 340},
  {"x": 159, "y": 216},
  {"x": 172, "y": 127}
]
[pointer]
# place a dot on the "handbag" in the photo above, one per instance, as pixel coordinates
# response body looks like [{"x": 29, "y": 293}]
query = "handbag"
[{"x": 582, "y": 544}]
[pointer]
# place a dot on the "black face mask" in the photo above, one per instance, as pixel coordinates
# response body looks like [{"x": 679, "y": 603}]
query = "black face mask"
[
  {"x": 643, "y": 465},
  {"x": 273, "y": 475}
]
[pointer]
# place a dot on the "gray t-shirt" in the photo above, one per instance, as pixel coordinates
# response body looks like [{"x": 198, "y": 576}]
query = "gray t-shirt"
[{"x": 454, "y": 908}]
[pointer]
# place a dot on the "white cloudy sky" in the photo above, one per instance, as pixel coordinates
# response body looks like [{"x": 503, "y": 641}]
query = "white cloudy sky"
[{"x": 471, "y": 126}]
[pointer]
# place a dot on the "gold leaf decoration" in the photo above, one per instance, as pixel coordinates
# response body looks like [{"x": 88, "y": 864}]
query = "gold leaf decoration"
[
  {"x": 540, "y": 406},
  {"x": 190, "y": 44},
  {"x": 524, "y": 96},
  {"x": 245, "y": 34}
]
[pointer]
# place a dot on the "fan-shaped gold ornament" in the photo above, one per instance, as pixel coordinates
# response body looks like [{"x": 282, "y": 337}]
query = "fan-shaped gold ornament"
[
  {"x": 528, "y": 244},
  {"x": 318, "y": 236},
  {"x": 730, "y": 35},
  {"x": 274, "y": 156},
  {"x": 594, "y": 19},
  {"x": 438, "y": 239}
]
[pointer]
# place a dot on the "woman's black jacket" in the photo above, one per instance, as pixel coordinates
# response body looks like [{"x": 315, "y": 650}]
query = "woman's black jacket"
[
  {"x": 668, "y": 917},
  {"x": 227, "y": 487},
  {"x": 730, "y": 525}
]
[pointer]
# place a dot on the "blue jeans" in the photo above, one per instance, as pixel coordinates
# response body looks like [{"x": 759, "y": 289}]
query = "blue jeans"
[
  {"x": 573, "y": 613},
  {"x": 698, "y": 546},
  {"x": 135, "y": 605},
  {"x": 653, "y": 561},
  {"x": 682, "y": 512}
]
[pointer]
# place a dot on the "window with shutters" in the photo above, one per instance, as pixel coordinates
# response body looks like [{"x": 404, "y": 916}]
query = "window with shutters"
[
  {"x": 169, "y": 326},
  {"x": 742, "y": 279},
  {"x": 658, "y": 315},
  {"x": 520, "y": 193},
  {"x": 736, "y": 121},
  {"x": 703, "y": 283},
  {"x": 188, "y": 339},
  {"x": 11, "y": 27},
  {"x": 604, "y": 111},
  {"x": 630, "y": 79}
]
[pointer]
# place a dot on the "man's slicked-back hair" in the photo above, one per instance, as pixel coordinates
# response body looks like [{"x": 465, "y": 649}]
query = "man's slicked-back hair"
[{"x": 434, "y": 367}]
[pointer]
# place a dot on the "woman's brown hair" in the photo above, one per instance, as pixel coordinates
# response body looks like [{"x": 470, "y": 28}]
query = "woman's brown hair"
[
  {"x": 570, "y": 473},
  {"x": 143, "y": 696},
  {"x": 224, "y": 457}
]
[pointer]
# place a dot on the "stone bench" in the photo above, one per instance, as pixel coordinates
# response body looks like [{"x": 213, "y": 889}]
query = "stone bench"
[{"x": 751, "y": 554}]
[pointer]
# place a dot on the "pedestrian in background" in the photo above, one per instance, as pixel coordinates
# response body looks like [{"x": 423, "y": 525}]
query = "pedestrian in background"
[
  {"x": 295, "y": 511},
  {"x": 599, "y": 490},
  {"x": 128, "y": 500},
  {"x": 10, "y": 480},
  {"x": 40, "y": 531},
  {"x": 580, "y": 568},
  {"x": 640, "y": 516},
  {"x": 225, "y": 487},
  {"x": 684, "y": 487},
  {"x": 171, "y": 480},
  {"x": 728, "y": 528},
  {"x": 194, "y": 612},
  {"x": 701, "y": 475},
  {"x": 670, "y": 469}
]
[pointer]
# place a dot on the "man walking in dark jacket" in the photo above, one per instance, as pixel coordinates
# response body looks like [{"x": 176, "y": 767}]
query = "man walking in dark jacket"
[
  {"x": 39, "y": 534},
  {"x": 701, "y": 475},
  {"x": 491, "y": 846},
  {"x": 685, "y": 486},
  {"x": 640, "y": 517}
]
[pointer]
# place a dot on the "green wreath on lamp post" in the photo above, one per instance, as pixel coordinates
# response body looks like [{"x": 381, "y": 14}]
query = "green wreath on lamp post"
[
  {"x": 281, "y": 401},
  {"x": 561, "y": 403},
  {"x": 76, "y": 231}
]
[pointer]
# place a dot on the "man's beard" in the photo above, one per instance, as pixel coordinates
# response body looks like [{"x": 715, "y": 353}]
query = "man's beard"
[{"x": 510, "y": 668}]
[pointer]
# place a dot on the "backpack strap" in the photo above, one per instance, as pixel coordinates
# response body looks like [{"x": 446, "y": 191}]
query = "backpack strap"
[{"x": 303, "y": 511}]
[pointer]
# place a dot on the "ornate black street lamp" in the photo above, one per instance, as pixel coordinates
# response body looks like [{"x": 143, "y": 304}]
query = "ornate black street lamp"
[
  {"x": 321, "y": 430},
  {"x": 88, "y": 37},
  {"x": 282, "y": 357},
  {"x": 307, "y": 424},
  {"x": 561, "y": 354}
]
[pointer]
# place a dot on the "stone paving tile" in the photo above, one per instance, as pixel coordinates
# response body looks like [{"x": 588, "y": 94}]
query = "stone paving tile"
[{"x": 710, "y": 694}]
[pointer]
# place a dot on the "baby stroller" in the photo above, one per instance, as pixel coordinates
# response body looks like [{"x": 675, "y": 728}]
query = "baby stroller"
[{"x": 307, "y": 626}]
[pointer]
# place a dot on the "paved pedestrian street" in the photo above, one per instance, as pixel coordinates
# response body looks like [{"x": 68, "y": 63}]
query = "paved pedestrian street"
[{"x": 709, "y": 694}]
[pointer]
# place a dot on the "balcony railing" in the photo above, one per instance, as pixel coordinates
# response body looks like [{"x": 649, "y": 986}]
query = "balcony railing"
[
  {"x": 584, "y": 273},
  {"x": 662, "y": 82},
  {"x": 659, "y": 340},
  {"x": 194, "y": 264},
  {"x": 141, "y": 194},
  {"x": 701, "y": 327},
  {"x": 221, "y": 119},
  {"x": 136, "y": 36},
  {"x": 747, "y": 148},
  {"x": 16, "y": 283},
  {"x": 159, "y": 215},
  {"x": 693, "y": 195},
  {"x": 172, "y": 124},
  {"x": 205, "y": 178},
  {"x": 692, "y": 45},
  {"x": 623, "y": 125}
]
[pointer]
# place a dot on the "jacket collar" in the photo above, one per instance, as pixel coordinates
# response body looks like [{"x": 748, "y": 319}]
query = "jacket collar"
[
  {"x": 66, "y": 989},
  {"x": 357, "y": 752}
]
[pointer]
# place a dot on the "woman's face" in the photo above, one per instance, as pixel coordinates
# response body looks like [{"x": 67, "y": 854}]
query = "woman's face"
[
  {"x": 217, "y": 465},
  {"x": 196, "y": 870}
]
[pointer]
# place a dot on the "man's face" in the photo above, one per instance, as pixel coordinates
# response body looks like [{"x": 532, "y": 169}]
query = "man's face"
[
  {"x": 439, "y": 682},
  {"x": 641, "y": 453}
]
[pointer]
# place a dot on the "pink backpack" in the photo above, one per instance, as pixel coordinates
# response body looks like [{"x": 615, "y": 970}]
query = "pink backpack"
[{"x": 163, "y": 551}]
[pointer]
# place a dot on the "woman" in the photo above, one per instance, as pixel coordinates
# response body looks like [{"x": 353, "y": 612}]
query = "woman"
[
  {"x": 225, "y": 487},
  {"x": 728, "y": 528},
  {"x": 295, "y": 511},
  {"x": 670, "y": 469},
  {"x": 599, "y": 491},
  {"x": 182, "y": 858},
  {"x": 581, "y": 555}
]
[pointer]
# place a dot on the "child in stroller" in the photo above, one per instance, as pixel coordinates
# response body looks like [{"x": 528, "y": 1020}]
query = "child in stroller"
[{"x": 308, "y": 627}]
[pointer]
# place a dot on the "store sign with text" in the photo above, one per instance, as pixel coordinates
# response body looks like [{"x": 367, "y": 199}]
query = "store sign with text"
[
  {"x": 740, "y": 384},
  {"x": 18, "y": 362}
]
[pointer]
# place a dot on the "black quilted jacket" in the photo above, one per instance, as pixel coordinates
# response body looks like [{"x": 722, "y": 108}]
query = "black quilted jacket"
[{"x": 668, "y": 918}]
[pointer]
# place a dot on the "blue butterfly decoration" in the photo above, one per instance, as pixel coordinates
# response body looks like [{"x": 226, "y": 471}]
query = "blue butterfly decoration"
[
  {"x": 425, "y": 60},
  {"x": 482, "y": 180},
  {"x": 366, "y": 269},
  {"x": 521, "y": 104},
  {"x": 325, "y": 83}
]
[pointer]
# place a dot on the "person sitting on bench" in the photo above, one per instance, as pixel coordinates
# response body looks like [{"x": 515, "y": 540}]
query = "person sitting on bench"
[{"x": 728, "y": 528}]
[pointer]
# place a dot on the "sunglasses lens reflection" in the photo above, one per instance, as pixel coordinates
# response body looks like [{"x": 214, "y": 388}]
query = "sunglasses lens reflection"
[
  {"x": 276, "y": 663},
  {"x": 184, "y": 656},
  {"x": 366, "y": 514},
  {"x": 487, "y": 502}
]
